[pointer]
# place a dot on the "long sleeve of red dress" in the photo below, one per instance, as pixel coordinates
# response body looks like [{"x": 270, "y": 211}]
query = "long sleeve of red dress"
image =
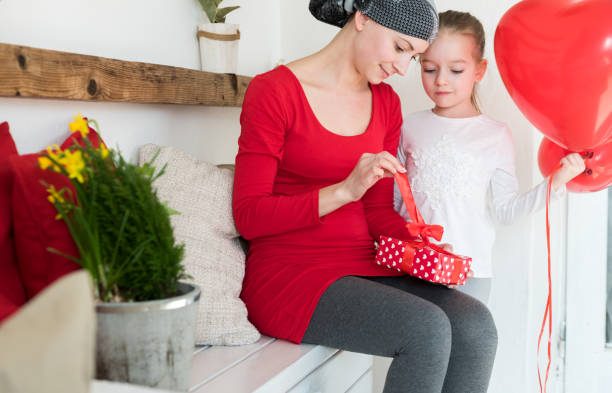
[
  {"x": 258, "y": 210},
  {"x": 285, "y": 157}
]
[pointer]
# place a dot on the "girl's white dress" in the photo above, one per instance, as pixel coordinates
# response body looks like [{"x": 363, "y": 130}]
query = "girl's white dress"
[{"x": 463, "y": 178}]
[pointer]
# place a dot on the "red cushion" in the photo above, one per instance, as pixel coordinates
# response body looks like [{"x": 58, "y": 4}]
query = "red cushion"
[
  {"x": 11, "y": 288},
  {"x": 36, "y": 228},
  {"x": 7, "y": 308},
  {"x": 77, "y": 139}
]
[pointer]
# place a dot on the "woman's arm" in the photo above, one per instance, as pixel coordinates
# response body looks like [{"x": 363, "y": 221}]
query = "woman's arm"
[
  {"x": 370, "y": 169},
  {"x": 257, "y": 210}
]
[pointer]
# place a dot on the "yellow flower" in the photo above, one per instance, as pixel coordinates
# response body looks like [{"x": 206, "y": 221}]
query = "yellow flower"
[
  {"x": 74, "y": 164},
  {"x": 103, "y": 150},
  {"x": 54, "y": 195},
  {"x": 44, "y": 162},
  {"x": 79, "y": 124},
  {"x": 54, "y": 153}
]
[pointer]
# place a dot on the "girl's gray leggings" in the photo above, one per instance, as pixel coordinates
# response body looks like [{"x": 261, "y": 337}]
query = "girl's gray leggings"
[{"x": 441, "y": 340}]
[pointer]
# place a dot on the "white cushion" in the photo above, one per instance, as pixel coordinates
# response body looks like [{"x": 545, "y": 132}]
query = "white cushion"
[
  {"x": 202, "y": 193},
  {"x": 48, "y": 345}
]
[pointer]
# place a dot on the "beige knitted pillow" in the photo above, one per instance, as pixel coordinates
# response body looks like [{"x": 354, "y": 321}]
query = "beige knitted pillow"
[{"x": 202, "y": 193}]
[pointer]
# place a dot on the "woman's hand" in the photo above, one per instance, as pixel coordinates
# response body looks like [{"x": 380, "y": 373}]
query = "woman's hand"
[
  {"x": 572, "y": 166},
  {"x": 369, "y": 169}
]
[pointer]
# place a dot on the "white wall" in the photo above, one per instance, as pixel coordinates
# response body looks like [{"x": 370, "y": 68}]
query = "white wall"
[
  {"x": 162, "y": 31},
  {"x": 153, "y": 31}
]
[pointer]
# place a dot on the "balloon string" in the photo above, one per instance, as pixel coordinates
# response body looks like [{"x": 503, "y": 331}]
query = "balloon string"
[{"x": 548, "y": 310}]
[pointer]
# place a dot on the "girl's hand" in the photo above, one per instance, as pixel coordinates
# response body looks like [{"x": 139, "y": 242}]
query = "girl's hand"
[
  {"x": 448, "y": 248},
  {"x": 573, "y": 165},
  {"x": 369, "y": 169}
]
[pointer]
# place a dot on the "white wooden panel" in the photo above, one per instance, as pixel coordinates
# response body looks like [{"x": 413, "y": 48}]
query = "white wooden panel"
[
  {"x": 588, "y": 361},
  {"x": 98, "y": 386},
  {"x": 286, "y": 362},
  {"x": 200, "y": 348},
  {"x": 338, "y": 374},
  {"x": 363, "y": 384},
  {"x": 209, "y": 362}
]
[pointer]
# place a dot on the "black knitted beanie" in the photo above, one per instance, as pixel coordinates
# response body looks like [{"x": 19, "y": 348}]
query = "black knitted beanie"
[{"x": 416, "y": 18}]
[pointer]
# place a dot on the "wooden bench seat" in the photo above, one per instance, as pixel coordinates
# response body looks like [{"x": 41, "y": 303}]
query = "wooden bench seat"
[
  {"x": 269, "y": 366},
  {"x": 272, "y": 365}
]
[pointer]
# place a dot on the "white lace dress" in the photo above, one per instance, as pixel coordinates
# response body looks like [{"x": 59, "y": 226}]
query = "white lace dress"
[{"x": 463, "y": 178}]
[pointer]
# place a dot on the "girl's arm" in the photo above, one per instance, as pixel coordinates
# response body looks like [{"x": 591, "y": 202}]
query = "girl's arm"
[{"x": 507, "y": 203}]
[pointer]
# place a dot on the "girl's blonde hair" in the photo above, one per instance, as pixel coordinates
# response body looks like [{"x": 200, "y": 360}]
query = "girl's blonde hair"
[{"x": 465, "y": 23}]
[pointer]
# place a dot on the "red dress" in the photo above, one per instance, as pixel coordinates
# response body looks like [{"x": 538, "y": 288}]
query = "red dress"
[{"x": 285, "y": 156}]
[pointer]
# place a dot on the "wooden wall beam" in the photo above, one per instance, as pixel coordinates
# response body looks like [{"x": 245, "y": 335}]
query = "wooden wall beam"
[{"x": 32, "y": 72}]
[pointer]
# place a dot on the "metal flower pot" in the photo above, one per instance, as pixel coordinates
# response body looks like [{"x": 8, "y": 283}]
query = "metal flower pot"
[{"x": 148, "y": 343}]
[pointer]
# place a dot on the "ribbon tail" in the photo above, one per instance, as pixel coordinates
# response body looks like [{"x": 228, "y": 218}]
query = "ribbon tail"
[
  {"x": 548, "y": 311},
  {"x": 404, "y": 187}
]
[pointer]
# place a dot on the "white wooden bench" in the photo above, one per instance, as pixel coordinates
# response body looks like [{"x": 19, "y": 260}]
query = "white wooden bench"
[
  {"x": 273, "y": 366},
  {"x": 269, "y": 366}
]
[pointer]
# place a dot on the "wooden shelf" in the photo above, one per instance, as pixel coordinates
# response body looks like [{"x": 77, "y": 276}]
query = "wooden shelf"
[{"x": 41, "y": 73}]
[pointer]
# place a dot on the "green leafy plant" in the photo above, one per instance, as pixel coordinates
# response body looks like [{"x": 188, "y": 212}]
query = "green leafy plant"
[
  {"x": 214, "y": 13},
  {"x": 120, "y": 227}
]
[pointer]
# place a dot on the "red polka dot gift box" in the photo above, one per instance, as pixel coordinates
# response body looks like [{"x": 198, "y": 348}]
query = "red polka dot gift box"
[
  {"x": 418, "y": 257},
  {"x": 422, "y": 261}
]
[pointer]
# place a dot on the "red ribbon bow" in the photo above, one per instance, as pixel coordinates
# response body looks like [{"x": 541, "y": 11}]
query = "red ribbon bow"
[
  {"x": 417, "y": 227},
  {"x": 424, "y": 231}
]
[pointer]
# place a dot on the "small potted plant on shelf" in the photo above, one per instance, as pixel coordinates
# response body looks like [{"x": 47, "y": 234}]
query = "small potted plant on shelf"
[
  {"x": 146, "y": 316},
  {"x": 218, "y": 40}
]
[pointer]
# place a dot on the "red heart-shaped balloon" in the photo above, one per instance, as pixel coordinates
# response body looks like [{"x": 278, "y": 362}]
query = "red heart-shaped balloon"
[
  {"x": 598, "y": 163},
  {"x": 555, "y": 58}
]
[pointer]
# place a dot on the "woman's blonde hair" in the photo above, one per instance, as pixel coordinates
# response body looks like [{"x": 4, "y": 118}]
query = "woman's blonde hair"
[{"x": 465, "y": 23}]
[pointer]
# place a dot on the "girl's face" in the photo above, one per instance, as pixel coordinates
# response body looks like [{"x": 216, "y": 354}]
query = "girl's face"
[
  {"x": 382, "y": 52},
  {"x": 449, "y": 69}
]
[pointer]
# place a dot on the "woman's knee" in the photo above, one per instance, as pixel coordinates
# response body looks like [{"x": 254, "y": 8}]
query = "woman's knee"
[
  {"x": 427, "y": 333},
  {"x": 475, "y": 326}
]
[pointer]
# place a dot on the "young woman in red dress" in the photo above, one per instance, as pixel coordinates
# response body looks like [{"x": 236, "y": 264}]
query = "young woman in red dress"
[{"x": 313, "y": 189}]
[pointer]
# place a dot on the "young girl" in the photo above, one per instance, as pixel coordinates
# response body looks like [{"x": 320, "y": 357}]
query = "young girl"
[{"x": 461, "y": 162}]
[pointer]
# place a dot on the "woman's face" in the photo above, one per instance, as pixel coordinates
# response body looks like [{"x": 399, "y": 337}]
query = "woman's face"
[
  {"x": 382, "y": 52},
  {"x": 449, "y": 69}
]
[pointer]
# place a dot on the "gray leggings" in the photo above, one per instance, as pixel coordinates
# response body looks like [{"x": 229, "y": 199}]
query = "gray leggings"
[{"x": 441, "y": 340}]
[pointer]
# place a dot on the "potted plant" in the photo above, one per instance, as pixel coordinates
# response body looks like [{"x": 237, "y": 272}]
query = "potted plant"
[
  {"x": 146, "y": 316},
  {"x": 218, "y": 40}
]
